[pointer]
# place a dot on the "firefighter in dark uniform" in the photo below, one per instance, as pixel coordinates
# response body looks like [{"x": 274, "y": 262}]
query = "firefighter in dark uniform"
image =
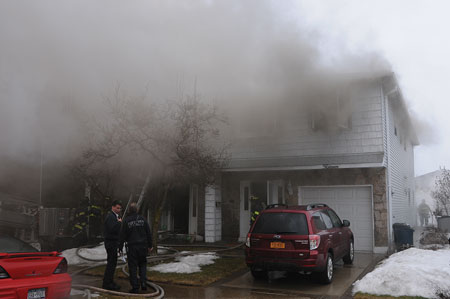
[
  {"x": 79, "y": 233},
  {"x": 111, "y": 233},
  {"x": 256, "y": 206},
  {"x": 136, "y": 232},
  {"x": 95, "y": 222}
]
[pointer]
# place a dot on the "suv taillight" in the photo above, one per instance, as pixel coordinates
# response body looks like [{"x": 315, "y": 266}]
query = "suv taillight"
[
  {"x": 247, "y": 241},
  {"x": 314, "y": 242},
  {"x": 3, "y": 273},
  {"x": 62, "y": 267}
]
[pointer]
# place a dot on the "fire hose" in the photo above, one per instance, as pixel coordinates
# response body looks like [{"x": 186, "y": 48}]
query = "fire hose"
[{"x": 159, "y": 291}]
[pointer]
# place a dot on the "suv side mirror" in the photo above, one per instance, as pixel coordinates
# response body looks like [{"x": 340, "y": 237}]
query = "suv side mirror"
[{"x": 345, "y": 223}]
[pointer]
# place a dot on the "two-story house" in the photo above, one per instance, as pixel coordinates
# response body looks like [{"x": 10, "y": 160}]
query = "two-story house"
[{"x": 350, "y": 147}]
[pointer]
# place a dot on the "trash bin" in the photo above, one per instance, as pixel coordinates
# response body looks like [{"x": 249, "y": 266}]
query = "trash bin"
[
  {"x": 444, "y": 223},
  {"x": 403, "y": 236}
]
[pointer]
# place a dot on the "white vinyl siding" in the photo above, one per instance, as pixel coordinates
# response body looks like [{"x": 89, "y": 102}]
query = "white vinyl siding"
[
  {"x": 401, "y": 169},
  {"x": 293, "y": 135}
]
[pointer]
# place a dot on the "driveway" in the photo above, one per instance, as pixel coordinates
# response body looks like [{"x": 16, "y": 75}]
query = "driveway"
[{"x": 303, "y": 285}]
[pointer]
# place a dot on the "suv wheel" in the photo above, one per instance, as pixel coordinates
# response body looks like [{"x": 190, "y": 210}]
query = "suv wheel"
[
  {"x": 258, "y": 274},
  {"x": 326, "y": 276},
  {"x": 348, "y": 259}
]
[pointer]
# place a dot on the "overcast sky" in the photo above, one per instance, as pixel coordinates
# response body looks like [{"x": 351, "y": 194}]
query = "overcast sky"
[
  {"x": 414, "y": 37},
  {"x": 77, "y": 51}
]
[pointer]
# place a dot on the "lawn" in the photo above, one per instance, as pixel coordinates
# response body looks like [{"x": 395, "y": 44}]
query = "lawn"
[{"x": 223, "y": 267}]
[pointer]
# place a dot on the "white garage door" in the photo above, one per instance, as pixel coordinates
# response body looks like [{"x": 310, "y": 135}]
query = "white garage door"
[{"x": 352, "y": 203}]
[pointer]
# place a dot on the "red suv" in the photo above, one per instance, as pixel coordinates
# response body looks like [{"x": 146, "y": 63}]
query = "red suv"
[{"x": 306, "y": 238}]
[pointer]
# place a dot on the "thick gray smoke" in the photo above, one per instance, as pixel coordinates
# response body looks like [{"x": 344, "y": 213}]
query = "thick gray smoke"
[{"x": 59, "y": 58}]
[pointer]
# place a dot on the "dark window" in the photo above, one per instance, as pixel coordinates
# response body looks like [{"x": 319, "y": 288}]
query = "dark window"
[
  {"x": 326, "y": 220},
  {"x": 335, "y": 219},
  {"x": 246, "y": 199},
  {"x": 12, "y": 245},
  {"x": 395, "y": 131},
  {"x": 281, "y": 223},
  {"x": 318, "y": 222}
]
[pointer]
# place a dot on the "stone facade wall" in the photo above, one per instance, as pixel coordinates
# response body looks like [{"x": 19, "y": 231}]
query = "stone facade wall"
[{"x": 323, "y": 177}]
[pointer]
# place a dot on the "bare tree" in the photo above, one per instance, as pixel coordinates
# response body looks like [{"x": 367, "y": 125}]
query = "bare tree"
[
  {"x": 177, "y": 141},
  {"x": 441, "y": 193}
]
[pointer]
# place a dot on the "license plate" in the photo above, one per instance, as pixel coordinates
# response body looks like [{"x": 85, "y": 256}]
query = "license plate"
[
  {"x": 36, "y": 294},
  {"x": 276, "y": 245}
]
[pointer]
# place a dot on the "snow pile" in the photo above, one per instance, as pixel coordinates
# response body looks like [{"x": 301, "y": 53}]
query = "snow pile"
[
  {"x": 95, "y": 253},
  {"x": 412, "y": 272},
  {"x": 186, "y": 264}
]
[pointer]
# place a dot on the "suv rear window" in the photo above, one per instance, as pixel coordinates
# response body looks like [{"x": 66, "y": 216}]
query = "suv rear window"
[{"x": 281, "y": 223}]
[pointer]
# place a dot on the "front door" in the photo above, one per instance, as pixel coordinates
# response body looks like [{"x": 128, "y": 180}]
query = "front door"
[
  {"x": 193, "y": 209},
  {"x": 245, "y": 210},
  {"x": 275, "y": 192}
]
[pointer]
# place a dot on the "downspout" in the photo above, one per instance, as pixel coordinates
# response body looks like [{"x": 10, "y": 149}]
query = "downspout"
[{"x": 388, "y": 172}]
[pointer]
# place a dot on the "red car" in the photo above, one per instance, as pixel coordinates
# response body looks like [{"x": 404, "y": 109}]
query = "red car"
[
  {"x": 26, "y": 273},
  {"x": 308, "y": 238}
]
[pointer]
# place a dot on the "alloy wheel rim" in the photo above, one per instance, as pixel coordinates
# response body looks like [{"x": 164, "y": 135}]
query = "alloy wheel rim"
[
  {"x": 330, "y": 268},
  {"x": 351, "y": 251}
]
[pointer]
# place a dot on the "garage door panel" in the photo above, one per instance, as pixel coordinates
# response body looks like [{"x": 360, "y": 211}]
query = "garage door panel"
[
  {"x": 327, "y": 194},
  {"x": 363, "y": 193},
  {"x": 350, "y": 203},
  {"x": 361, "y": 242},
  {"x": 345, "y": 194}
]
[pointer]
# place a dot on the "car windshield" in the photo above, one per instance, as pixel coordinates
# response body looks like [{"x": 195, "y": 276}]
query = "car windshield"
[
  {"x": 281, "y": 223},
  {"x": 13, "y": 245}
]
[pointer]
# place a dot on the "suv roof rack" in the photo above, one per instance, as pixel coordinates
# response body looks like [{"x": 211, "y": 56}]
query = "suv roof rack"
[
  {"x": 315, "y": 205},
  {"x": 274, "y": 205}
]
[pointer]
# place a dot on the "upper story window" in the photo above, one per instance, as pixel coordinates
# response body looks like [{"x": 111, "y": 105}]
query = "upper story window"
[{"x": 332, "y": 112}]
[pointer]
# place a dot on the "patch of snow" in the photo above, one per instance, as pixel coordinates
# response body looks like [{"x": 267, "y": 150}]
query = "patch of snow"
[
  {"x": 95, "y": 253},
  {"x": 75, "y": 292},
  {"x": 412, "y": 272},
  {"x": 163, "y": 250},
  {"x": 186, "y": 264},
  {"x": 84, "y": 293}
]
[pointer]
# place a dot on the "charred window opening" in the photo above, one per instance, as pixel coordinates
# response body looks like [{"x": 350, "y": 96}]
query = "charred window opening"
[{"x": 332, "y": 112}]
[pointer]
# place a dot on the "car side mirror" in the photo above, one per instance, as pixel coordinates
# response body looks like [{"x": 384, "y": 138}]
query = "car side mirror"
[{"x": 345, "y": 223}]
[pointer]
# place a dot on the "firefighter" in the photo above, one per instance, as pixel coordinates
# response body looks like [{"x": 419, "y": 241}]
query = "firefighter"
[
  {"x": 424, "y": 213},
  {"x": 111, "y": 233},
  {"x": 136, "y": 232},
  {"x": 95, "y": 216},
  {"x": 79, "y": 233},
  {"x": 256, "y": 206}
]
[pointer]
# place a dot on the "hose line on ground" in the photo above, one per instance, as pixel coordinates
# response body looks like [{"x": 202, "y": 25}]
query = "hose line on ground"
[{"x": 159, "y": 291}]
